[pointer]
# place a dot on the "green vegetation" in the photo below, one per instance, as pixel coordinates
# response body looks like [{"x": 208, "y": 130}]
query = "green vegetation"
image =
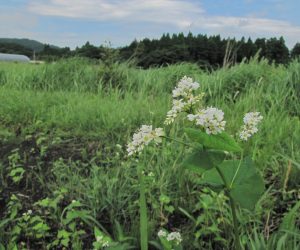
[
  {"x": 206, "y": 51},
  {"x": 26, "y": 43},
  {"x": 66, "y": 180}
]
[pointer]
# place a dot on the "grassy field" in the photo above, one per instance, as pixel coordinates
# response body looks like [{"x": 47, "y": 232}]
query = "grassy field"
[{"x": 63, "y": 133}]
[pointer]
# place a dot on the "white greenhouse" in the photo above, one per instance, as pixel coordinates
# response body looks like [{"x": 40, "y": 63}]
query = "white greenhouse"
[{"x": 14, "y": 58}]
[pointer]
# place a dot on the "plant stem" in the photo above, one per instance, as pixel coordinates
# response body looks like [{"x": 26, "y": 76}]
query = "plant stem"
[
  {"x": 143, "y": 212},
  {"x": 233, "y": 211},
  {"x": 181, "y": 142}
]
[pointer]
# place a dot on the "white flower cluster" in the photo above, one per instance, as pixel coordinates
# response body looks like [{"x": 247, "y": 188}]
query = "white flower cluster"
[
  {"x": 174, "y": 236},
  {"x": 185, "y": 87},
  {"x": 178, "y": 106},
  {"x": 249, "y": 128},
  {"x": 143, "y": 137},
  {"x": 28, "y": 213},
  {"x": 100, "y": 239},
  {"x": 211, "y": 119},
  {"x": 184, "y": 91}
]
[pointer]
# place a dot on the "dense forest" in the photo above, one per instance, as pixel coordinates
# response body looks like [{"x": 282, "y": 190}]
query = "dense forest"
[{"x": 206, "y": 51}]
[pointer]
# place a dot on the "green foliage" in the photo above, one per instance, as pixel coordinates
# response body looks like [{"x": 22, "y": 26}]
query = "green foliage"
[
  {"x": 221, "y": 141},
  {"x": 199, "y": 161},
  {"x": 61, "y": 123},
  {"x": 246, "y": 185}
]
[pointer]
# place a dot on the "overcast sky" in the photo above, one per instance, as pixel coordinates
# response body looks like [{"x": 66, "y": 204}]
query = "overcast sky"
[{"x": 73, "y": 22}]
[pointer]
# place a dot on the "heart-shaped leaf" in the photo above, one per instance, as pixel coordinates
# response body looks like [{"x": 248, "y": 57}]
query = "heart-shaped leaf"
[
  {"x": 221, "y": 141},
  {"x": 246, "y": 185},
  {"x": 200, "y": 161}
]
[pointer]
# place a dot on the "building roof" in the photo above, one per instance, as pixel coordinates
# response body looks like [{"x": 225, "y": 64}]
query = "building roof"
[{"x": 14, "y": 58}]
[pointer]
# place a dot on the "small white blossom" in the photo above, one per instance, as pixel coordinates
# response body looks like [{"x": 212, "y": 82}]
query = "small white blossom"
[
  {"x": 28, "y": 213},
  {"x": 211, "y": 119},
  {"x": 162, "y": 233},
  {"x": 178, "y": 106},
  {"x": 185, "y": 86},
  {"x": 105, "y": 244},
  {"x": 143, "y": 137},
  {"x": 174, "y": 236},
  {"x": 151, "y": 174},
  {"x": 99, "y": 238},
  {"x": 185, "y": 98},
  {"x": 249, "y": 128}
]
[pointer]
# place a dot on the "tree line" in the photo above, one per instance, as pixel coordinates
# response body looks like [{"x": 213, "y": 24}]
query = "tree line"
[{"x": 207, "y": 51}]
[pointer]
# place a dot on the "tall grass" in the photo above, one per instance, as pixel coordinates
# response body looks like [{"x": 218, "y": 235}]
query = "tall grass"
[{"x": 76, "y": 98}]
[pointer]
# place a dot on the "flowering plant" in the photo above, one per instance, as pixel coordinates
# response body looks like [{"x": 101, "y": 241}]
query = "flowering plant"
[{"x": 215, "y": 155}]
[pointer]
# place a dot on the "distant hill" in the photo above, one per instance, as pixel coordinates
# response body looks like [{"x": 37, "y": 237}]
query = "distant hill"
[{"x": 27, "y": 43}]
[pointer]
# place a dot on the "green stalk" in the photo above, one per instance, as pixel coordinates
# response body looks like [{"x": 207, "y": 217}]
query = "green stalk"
[
  {"x": 143, "y": 212},
  {"x": 181, "y": 142},
  {"x": 233, "y": 211}
]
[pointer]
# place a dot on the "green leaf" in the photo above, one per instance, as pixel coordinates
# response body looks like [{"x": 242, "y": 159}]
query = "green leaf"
[
  {"x": 200, "y": 161},
  {"x": 221, "y": 141},
  {"x": 289, "y": 220},
  {"x": 2, "y": 247},
  {"x": 247, "y": 186}
]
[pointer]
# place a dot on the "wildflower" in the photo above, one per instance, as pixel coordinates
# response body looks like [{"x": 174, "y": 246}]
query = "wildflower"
[
  {"x": 185, "y": 86},
  {"x": 249, "y": 128},
  {"x": 192, "y": 100},
  {"x": 178, "y": 106},
  {"x": 143, "y": 137},
  {"x": 184, "y": 91},
  {"x": 162, "y": 233},
  {"x": 100, "y": 239},
  {"x": 174, "y": 236},
  {"x": 28, "y": 213},
  {"x": 151, "y": 174},
  {"x": 105, "y": 244},
  {"x": 211, "y": 119}
]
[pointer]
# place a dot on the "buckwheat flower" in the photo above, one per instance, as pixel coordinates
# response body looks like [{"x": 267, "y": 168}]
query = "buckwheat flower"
[
  {"x": 193, "y": 100},
  {"x": 178, "y": 106},
  {"x": 174, "y": 236},
  {"x": 143, "y": 137},
  {"x": 99, "y": 238},
  {"x": 211, "y": 119},
  {"x": 162, "y": 233},
  {"x": 151, "y": 174},
  {"x": 105, "y": 244},
  {"x": 191, "y": 117},
  {"x": 251, "y": 120},
  {"x": 185, "y": 86}
]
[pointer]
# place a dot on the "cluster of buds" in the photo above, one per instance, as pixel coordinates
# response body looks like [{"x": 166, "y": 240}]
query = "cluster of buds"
[
  {"x": 143, "y": 137},
  {"x": 249, "y": 128},
  {"x": 173, "y": 237},
  {"x": 211, "y": 119},
  {"x": 100, "y": 239},
  {"x": 183, "y": 98}
]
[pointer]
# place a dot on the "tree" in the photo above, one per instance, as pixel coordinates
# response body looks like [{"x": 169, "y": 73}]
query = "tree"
[
  {"x": 276, "y": 50},
  {"x": 295, "y": 51}
]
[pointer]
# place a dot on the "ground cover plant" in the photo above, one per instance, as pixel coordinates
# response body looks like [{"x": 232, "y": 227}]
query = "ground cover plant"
[{"x": 67, "y": 181}]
